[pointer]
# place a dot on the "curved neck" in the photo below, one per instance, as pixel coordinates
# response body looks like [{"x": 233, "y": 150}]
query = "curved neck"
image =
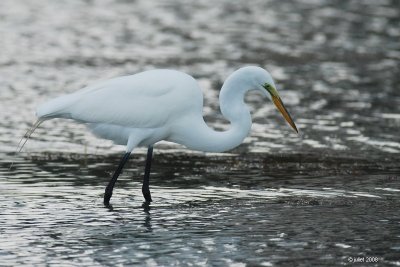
[{"x": 234, "y": 109}]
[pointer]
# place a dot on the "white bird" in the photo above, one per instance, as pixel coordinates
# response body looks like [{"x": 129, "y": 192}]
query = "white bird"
[{"x": 145, "y": 108}]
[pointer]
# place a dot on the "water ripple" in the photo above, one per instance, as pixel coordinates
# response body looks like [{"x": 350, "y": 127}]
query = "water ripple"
[{"x": 278, "y": 199}]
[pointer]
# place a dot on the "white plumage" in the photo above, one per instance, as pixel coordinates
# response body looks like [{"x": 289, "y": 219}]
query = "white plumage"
[
  {"x": 142, "y": 109},
  {"x": 132, "y": 107}
]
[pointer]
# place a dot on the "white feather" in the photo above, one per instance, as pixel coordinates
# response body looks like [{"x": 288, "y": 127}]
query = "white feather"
[{"x": 142, "y": 109}]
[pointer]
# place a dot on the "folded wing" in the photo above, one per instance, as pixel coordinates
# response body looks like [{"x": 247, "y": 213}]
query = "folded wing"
[{"x": 145, "y": 100}]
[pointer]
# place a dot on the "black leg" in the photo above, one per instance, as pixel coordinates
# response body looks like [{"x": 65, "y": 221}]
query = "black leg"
[
  {"x": 146, "y": 179},
  {"x": 110, "y": 186}
]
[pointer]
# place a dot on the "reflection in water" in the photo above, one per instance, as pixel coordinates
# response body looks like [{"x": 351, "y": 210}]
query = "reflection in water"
[
  {"x": 147, "y": 221},
  {"x": 262, "y": 209}
]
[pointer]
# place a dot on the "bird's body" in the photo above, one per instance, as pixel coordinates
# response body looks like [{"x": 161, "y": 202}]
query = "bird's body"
[{"x": 142, "y": 109}]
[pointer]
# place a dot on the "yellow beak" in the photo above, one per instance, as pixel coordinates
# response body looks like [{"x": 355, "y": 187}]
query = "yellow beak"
[{"x": 281, "y": 107}]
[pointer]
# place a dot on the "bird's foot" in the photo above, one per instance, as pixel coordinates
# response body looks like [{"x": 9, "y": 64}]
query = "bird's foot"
[
  {"x": 147, "y": 196},
  {"x": 109, "y": 207},
  {"x": 146, "y": 206},
  {"x": 107, "y": 197}
]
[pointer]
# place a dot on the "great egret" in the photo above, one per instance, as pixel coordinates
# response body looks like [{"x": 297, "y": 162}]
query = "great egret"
[{"x": 145, "y": 108}]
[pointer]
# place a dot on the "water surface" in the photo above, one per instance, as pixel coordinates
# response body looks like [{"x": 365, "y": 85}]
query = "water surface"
[{"x": 325, "y": 197}]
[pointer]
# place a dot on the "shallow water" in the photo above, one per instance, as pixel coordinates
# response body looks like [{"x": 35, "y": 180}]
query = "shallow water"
[
  {"x": 328, "y": 196},
  {"x": 261, "y": 210}
]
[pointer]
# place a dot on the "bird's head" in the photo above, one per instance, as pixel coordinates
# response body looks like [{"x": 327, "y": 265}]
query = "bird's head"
[{"x": 263, "y": 82}]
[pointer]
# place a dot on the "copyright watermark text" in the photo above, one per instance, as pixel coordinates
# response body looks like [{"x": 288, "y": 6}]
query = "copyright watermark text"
[{"x": 363, "y": 259}]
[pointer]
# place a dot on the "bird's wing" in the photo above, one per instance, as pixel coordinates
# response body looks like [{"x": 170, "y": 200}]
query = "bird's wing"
[{"x": 141, "y": 100}]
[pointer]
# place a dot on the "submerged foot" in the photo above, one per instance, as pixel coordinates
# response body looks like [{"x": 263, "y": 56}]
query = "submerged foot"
[
  {"x": 147, "y": 196},
  {"x": 107, "y": 197}
]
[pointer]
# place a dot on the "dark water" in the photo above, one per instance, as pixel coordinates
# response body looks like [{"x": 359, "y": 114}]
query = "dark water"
[{"x": 328, "y": 196}]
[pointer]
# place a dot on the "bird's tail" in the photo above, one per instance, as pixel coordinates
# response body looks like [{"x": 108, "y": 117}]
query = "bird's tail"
[
  {"x": 57, "y": 107},
  {"x": 26, "y": 136}
]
